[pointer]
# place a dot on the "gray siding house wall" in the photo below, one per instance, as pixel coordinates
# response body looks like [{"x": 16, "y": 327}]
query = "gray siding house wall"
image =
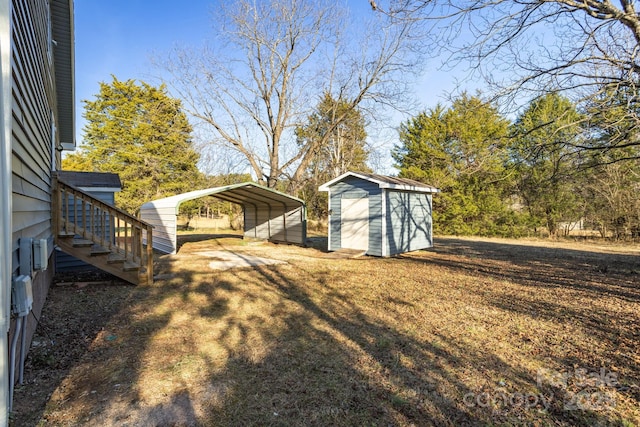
[
  {"x": 379, "y": 214},
  {"x": 37, "y": 122}
]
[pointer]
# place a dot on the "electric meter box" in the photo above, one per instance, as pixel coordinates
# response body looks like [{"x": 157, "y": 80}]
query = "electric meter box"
[
  {"x": 22, "y": 295},
  {"x": 40, "y": 254}
]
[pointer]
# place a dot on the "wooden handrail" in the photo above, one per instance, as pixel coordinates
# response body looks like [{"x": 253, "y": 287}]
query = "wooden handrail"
[{"x": 77, "y": 212}]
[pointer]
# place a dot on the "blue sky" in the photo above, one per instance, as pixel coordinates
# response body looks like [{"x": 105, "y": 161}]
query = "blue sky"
[{"x": 120, "y": 36}]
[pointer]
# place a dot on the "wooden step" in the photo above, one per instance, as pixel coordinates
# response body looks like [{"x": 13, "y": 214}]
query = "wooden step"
[
  {"x": 98, "y": 250},
  {"x": 130, "y": 266},
  {"x": 89, "y": 243},
  {"x": 112, "y": 263},
  {"x": 82, "y": 243},
  {"x": 115, "y": 259}
]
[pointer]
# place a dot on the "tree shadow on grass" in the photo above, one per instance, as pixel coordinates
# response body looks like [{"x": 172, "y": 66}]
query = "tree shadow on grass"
[
  {"x": 292, "y": 347},
  {"x": 616, "y": 275},
  {"x": 336, "y": 364},
  {"x": 312, "y": 368},
  {"x": 334, "y": 369},
  {"x": 339, "y": 366},
  {"x": 594, "y": 294}
]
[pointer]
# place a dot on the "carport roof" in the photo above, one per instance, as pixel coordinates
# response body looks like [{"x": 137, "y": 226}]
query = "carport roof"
[{"x": 244, "y": 193}]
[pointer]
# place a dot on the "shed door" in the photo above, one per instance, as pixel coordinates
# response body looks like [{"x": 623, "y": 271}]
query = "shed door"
[{"x": 354, "y": 224}]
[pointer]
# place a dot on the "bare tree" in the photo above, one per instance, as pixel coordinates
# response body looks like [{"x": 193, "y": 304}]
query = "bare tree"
[
  {"x": 612, "y": 191},
  {"x": 587, "y": 49},
  {"x": 272, "y": 62}
]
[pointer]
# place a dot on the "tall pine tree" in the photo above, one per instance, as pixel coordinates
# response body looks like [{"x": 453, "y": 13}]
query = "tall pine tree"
[
  {"x": 541, "y": 150},
  {"x": 461, "y": 151},
  {"x": 141, "y": 133}
]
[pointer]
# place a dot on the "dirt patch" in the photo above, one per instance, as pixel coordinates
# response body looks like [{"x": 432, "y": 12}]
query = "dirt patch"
[
  {"x": 79, "y": 308},
  {"x": 472, "y": 332}
]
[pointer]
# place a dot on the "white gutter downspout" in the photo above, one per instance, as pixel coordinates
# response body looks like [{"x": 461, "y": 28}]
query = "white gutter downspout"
[{"x": 5, "y": 205}]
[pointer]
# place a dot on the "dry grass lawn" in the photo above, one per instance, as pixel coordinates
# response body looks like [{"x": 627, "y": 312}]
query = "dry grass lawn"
[{"x": 473, "y": 332}]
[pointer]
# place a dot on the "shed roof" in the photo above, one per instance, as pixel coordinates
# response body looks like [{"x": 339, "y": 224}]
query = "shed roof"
[
  {"x": 244, "y": 193},
  {"x": 91, "y": 180},
  {"x": 384, "y": 181}
]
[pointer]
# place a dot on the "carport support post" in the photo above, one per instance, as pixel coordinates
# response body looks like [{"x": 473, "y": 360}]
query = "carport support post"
[
  {"x": 255, "y": 225},
  {"x": 269, "y": 222},
  {"x": 303, "y": 213},
  {"x": 284, "y": 221},
  {"x": 149, "y": 256}
]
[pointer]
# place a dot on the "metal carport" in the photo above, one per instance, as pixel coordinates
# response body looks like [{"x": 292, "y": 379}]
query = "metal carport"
[{"x": 268, "y": 214}]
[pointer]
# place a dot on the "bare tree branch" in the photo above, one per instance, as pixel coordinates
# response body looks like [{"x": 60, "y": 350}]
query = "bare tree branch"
[
  {"x": 587, "y": 49},
  {"x": 272, "y": 63}
]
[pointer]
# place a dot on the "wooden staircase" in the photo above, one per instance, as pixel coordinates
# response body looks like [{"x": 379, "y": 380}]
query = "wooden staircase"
[{"x": 102, "y": 235}]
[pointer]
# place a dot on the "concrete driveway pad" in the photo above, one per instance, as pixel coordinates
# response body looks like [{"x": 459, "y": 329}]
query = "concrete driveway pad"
[{"x": 225, "y": 260}]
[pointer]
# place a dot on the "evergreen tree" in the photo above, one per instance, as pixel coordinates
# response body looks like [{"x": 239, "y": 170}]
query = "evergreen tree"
[
  {"x": 461, "y": 151},
  {"x": 139, "y": 132},
  {"x": 543, "y": 137}
]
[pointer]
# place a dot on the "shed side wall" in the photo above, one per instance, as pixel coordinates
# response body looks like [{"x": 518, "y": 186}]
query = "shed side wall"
[
  {"x": 250, "y": 221},
  {"x": 263, "y": 225},
  {"x": 295, "y": 226},
  {"x": 409, "y": 221},
  {"x": 277, "y": 224}
]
